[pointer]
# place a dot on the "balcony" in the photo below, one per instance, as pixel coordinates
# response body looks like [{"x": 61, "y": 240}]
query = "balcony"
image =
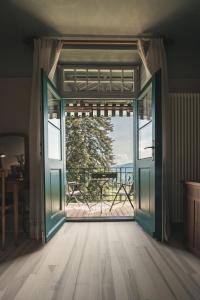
[{"x": 100, "y": 192}]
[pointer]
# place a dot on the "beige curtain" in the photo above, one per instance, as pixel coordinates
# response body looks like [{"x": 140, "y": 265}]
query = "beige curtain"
[
  {"x": 46, "y": 55},
  {"x": 153, "y": 56}
]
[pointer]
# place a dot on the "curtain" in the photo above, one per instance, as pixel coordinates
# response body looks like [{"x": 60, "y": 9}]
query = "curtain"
[
  {"x": 153, "y": 56},
  {"x": 46, "y": 55}
]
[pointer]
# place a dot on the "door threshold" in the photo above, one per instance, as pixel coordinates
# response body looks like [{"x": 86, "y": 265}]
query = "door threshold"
[{"x": 99, "y": 219}]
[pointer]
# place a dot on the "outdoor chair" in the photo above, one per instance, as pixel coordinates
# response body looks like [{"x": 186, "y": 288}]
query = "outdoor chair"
[
  {"x": 75, "y": 191},
  {"x": 125, "y": 190}
]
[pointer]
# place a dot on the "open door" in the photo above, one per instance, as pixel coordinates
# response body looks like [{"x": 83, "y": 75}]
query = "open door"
[
  {"x": 54, "y": 158},
  {"x": 148, "y": 157}
]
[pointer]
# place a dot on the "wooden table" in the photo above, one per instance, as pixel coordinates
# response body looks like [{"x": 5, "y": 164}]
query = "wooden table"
[
  {"x": 192, "y": 215},
  {"x": 13, "y": 186}
]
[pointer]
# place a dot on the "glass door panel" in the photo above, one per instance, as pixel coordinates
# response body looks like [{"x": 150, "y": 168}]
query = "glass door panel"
[
  {"x": 148, "y": 157},
  {"x": 54, "y": 163}
]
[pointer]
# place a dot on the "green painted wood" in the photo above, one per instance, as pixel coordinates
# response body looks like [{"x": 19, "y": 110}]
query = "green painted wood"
[
  {"x": 54, "y": 169},
  {"x": 148, "y": 170}
]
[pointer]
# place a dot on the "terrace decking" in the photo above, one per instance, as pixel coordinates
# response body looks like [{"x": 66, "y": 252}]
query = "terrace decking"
[
  {"x": 76, "y": 210},
  {"x": 98, "y": 187}
]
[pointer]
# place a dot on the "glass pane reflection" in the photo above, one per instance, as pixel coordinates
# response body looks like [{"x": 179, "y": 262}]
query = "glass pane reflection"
[
  {"x": 145, "y": 140},
  {"x": 54, "y": 126},
  {"x": 144, "y": 108},
  {"x": 53, "y": 109},
  {"x": 54, "y": 150}
]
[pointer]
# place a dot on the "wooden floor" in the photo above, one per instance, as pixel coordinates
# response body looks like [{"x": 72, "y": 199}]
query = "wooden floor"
[
  {"x": 80, "y": 210},
  {"x": 99, "y": 260}
]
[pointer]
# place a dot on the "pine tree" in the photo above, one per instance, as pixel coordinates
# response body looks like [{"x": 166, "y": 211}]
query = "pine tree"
[{"x": 88, "y": 145}]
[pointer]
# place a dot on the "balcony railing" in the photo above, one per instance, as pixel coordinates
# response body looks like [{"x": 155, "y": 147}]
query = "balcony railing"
[{"x": 99, "y": 184}]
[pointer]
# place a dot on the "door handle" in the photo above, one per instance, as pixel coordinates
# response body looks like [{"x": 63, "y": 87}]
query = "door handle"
[
  {"x": 153, "y": 152},
  {"x": 150, "y": 147}
]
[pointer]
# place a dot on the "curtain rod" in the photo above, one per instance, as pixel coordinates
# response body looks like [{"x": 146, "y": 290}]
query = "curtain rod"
[{"x": 99, "y": 42}]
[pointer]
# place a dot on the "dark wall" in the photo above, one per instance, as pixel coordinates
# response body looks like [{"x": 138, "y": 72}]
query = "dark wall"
[
  {"x": 14, "y": 108},
  {"x": 15, "y": 87},
  {"x": 16, "y": 60},
  {"x": 184, "y": 66}
]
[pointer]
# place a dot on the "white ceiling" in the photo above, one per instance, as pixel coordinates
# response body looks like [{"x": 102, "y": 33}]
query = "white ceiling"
[
  {"x": 99, "y": 56},
  {"x": 25, "y": 18}
]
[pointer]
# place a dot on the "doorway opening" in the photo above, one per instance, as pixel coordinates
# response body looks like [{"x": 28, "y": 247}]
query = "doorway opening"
[
  {"x": 99, "y": 140},
  {"x": 99, "y": 167},
  {"x": 93, "y": 94}
]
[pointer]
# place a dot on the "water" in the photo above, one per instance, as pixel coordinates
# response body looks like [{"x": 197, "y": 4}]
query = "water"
[{"x": 125, "y": 172}]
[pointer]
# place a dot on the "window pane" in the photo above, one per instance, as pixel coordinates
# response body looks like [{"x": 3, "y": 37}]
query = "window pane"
[
  {"x": 54, "y": 150},
  {"x": 144, "y": 108},
  {"x": 116, "y": 74},
  {"x": 81, "y": 85},
  {"x": 81, "y": 74},
  {"x": 106, "y": 80},
  {"x": 104, "y": 86},
  {"x": 53, "y": 109},
  {"x": 117, "y": 86},
  {"x": 54, "y": 125},
  {"x": 128, "y": 74},
  {"x": 93, "y": 73},
  {"x": 104, "y": 75},
  {"x": 70, "y": 86},
  {"x": 69, "y": 74},
  {"x": 92, "y": 86},
  {"x": 145, "y": 140},
  {"x": 128, "y": 87}
]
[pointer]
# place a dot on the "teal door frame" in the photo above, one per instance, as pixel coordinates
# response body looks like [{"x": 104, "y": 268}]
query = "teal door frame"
[
  {"x": 54, "y": 167},
  {"x": 148, "y": 170}
]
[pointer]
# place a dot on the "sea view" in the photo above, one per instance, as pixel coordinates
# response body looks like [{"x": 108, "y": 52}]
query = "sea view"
[{"x": 125, "y": 171}]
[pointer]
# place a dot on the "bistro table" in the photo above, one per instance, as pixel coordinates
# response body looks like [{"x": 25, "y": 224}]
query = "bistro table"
[{"x": 101, "y": 179}]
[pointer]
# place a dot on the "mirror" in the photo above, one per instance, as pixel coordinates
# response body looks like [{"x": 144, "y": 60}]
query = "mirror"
[
  {"x": 13, "y": 156},
  {"x": 14, "y": 162}
]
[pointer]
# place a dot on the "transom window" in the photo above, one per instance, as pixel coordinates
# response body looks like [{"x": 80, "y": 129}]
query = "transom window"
[{"x": 80, "y": 81}]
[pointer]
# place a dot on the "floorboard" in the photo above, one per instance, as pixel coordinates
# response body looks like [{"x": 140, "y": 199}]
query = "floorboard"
[
  {"x": 81, "y": 210},
  {"x": 100, "y": 260}
]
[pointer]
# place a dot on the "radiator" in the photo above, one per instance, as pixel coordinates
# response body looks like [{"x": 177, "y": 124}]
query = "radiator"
[{"x": 185, "y": 148}]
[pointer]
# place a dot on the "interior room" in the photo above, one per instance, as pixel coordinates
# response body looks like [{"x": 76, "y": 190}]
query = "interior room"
[{"x": 81, "y": 217}]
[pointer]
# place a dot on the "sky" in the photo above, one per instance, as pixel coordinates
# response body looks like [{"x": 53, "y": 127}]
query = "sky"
[{"x": 123, "y": 139}]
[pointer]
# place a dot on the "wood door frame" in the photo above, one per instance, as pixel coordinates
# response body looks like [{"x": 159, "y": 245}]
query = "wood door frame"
[
  {"x": 46, "y": 82},
  {"x": 157, "y": 116}
]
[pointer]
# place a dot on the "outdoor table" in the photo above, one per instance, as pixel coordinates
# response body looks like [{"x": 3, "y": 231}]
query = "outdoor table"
[{"x": 101, "y": 179}]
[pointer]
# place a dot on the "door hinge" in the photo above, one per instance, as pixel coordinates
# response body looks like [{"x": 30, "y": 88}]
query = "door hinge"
[{"x": 41, "y": 148}]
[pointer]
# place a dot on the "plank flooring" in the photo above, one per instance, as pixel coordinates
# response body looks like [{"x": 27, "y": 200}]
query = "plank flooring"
[
  {"x": 81, "y": 210},
  {"x": 100, "y": 260}
]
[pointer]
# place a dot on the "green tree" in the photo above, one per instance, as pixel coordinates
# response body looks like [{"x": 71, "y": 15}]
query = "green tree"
[
  {"x": 88, "y": 144},
  {"x": 88, "y": 149}
]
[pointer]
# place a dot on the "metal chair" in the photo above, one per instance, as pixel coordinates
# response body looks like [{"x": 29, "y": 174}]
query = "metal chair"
[
  {"x": 122, "y": 191},
  {"x": 76, "y": 192}
]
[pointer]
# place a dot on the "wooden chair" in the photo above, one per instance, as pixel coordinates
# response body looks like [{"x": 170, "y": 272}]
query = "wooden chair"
[{"x": 4, "y": 207}]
